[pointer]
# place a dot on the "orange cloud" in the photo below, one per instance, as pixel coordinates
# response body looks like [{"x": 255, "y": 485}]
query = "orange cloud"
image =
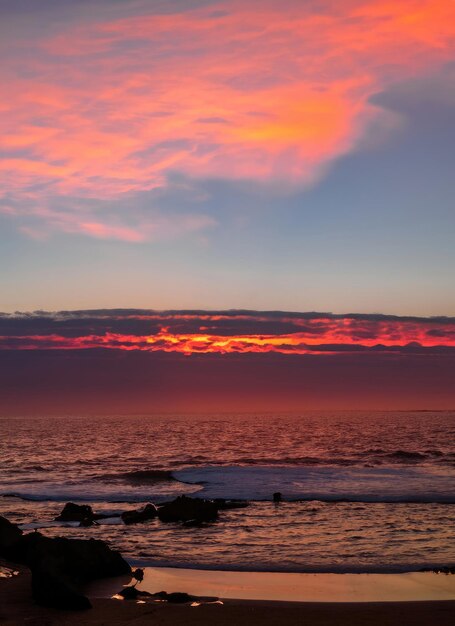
[
  {"x": 260, "y": 90},
  {"x": 314, "y": 335}
]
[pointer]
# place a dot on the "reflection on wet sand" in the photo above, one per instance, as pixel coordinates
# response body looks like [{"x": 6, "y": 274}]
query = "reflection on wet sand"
[{"x": 291, "y": 587}]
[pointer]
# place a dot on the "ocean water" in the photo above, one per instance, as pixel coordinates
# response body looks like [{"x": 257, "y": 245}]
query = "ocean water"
[{"x": 370, "y": 492}]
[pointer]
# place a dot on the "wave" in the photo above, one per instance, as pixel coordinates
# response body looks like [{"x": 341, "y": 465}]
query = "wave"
[
  {"x": 409, "y": 567},
  {"x": 84, "y": 495},
  {"x": 327, "y": 484},
  {"x": 355, "y": 459},
  {"x": 390, "y": 484},
  {"x": 141, "y": 476},
  {"x": 404, "y": 455}
]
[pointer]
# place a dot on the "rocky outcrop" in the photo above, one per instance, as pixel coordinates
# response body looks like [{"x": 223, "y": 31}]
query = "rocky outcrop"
[
  {"x": 132, "y": 593},
  {"x": 185, "y": 509},
  {"x": 60, "y": 565},
  {"x": 176, "y": 597},
  {"x": 149, "y": 512},
  {"x": 10, "y": 535},
  {"x": 81, "y": 513},
  {"x": 75, "y": 513},
  {"x": 79, "y": 559},
  {"x": 53, "y": 589}
]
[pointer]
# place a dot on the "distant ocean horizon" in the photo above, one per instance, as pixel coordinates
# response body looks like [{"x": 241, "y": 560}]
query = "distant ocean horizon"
[{"x": 363, "y": 491}]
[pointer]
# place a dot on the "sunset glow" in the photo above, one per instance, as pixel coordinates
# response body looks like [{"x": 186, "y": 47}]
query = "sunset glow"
[
  {"x": 232, "y": 90},
  {"x": 210, "y": 203},
  {"x": 217, "y": 333}
]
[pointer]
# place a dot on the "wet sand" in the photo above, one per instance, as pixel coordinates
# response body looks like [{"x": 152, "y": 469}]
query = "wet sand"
[
  {"x": 16, "y": 607},
  {"x": 288, "y": 587}
]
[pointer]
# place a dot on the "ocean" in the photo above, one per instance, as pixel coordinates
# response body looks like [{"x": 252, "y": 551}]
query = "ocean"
[{"x": 363, "y": 492}]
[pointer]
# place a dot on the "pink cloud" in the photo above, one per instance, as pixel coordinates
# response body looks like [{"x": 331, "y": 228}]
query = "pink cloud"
[
  {"x": 229, "y": 332},
  {"x": 112, "y": 108}
]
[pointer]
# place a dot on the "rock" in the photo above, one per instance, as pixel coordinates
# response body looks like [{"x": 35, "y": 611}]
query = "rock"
[
  {"x": 51, "y": 589},
  {"x": 184, "y": 509},
  {"x": 175, "y": 597},
  {"x": 129, "y": 593},
  {"x": 80, "y": 559},
  {"x": 277, "y": 497},
  {"x": 179, "y": 597},
  {"x": 59, "y": 565},
  {"x": 138, "y": 574},
  {"x": 224, "y": 505},
  {"x": 75, "y": 513},
  {"x": 139, "y": 516},
  {"x": 10, "y": 534},
  {"x": 82, "y": 513}
]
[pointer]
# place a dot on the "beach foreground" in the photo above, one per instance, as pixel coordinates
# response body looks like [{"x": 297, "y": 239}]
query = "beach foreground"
[
  {"x": 285, "y": 586},
  {"x": 16, "y": 607}
]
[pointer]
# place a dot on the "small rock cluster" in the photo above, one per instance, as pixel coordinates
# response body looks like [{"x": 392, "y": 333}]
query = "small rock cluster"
[
  {"x": 189, "y": 511},
  {"x": 59, "y": 566}
]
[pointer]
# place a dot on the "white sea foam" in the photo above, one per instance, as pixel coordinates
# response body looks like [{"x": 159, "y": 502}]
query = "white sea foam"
[
  {"x": 383, "y": 484},
  {"x": 356, "y": 484}
]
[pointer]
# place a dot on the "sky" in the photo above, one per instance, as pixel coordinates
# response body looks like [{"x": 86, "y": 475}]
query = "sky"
[
  {"x": 124, "y": 361},
  {"x": 226, "y": 205},
  {"x": 267, "y": 155}
]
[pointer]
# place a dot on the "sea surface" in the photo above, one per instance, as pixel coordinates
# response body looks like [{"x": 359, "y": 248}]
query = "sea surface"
[{"x": 363, "y": 492}]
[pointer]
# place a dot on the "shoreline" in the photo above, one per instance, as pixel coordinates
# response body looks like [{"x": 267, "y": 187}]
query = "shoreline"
[
  {"x": 16, "y": 607},
  {"x": 446, "y": 567},
  {"x": 288, "y": 587},
  {"x": 266, "y": 548}
]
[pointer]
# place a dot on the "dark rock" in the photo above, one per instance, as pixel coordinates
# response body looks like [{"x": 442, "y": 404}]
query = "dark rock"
[
  {"x": 131, "y": 593},
  {"x": 10, "y": 534},
  {"x": 138, "y": 574},
  {"x": 51, "y": 589},
  {"x": 82, "y": 513},
  {"x": 277, "y": 497},
  {"x": 179, "y": 598},
  {"x": 224, "y": 505},
  {"x": 184, "y": 509},
  {"x": 75, "y": 513},
  {"x": 80, "y": 559},
  {"x": 139, "y": 516},
  {"x": 59, "y": 565},
  {"x": 175, "y": 597}
]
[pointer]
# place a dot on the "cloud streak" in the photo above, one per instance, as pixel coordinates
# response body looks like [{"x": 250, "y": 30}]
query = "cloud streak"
[
  {"x": 192, "y": 333},
  {"x": 260, "y": 91}
]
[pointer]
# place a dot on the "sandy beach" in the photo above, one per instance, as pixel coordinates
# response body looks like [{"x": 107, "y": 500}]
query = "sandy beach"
[
  {"x": 286, "y": 586},
  {"x": 17, "y": 607}
]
